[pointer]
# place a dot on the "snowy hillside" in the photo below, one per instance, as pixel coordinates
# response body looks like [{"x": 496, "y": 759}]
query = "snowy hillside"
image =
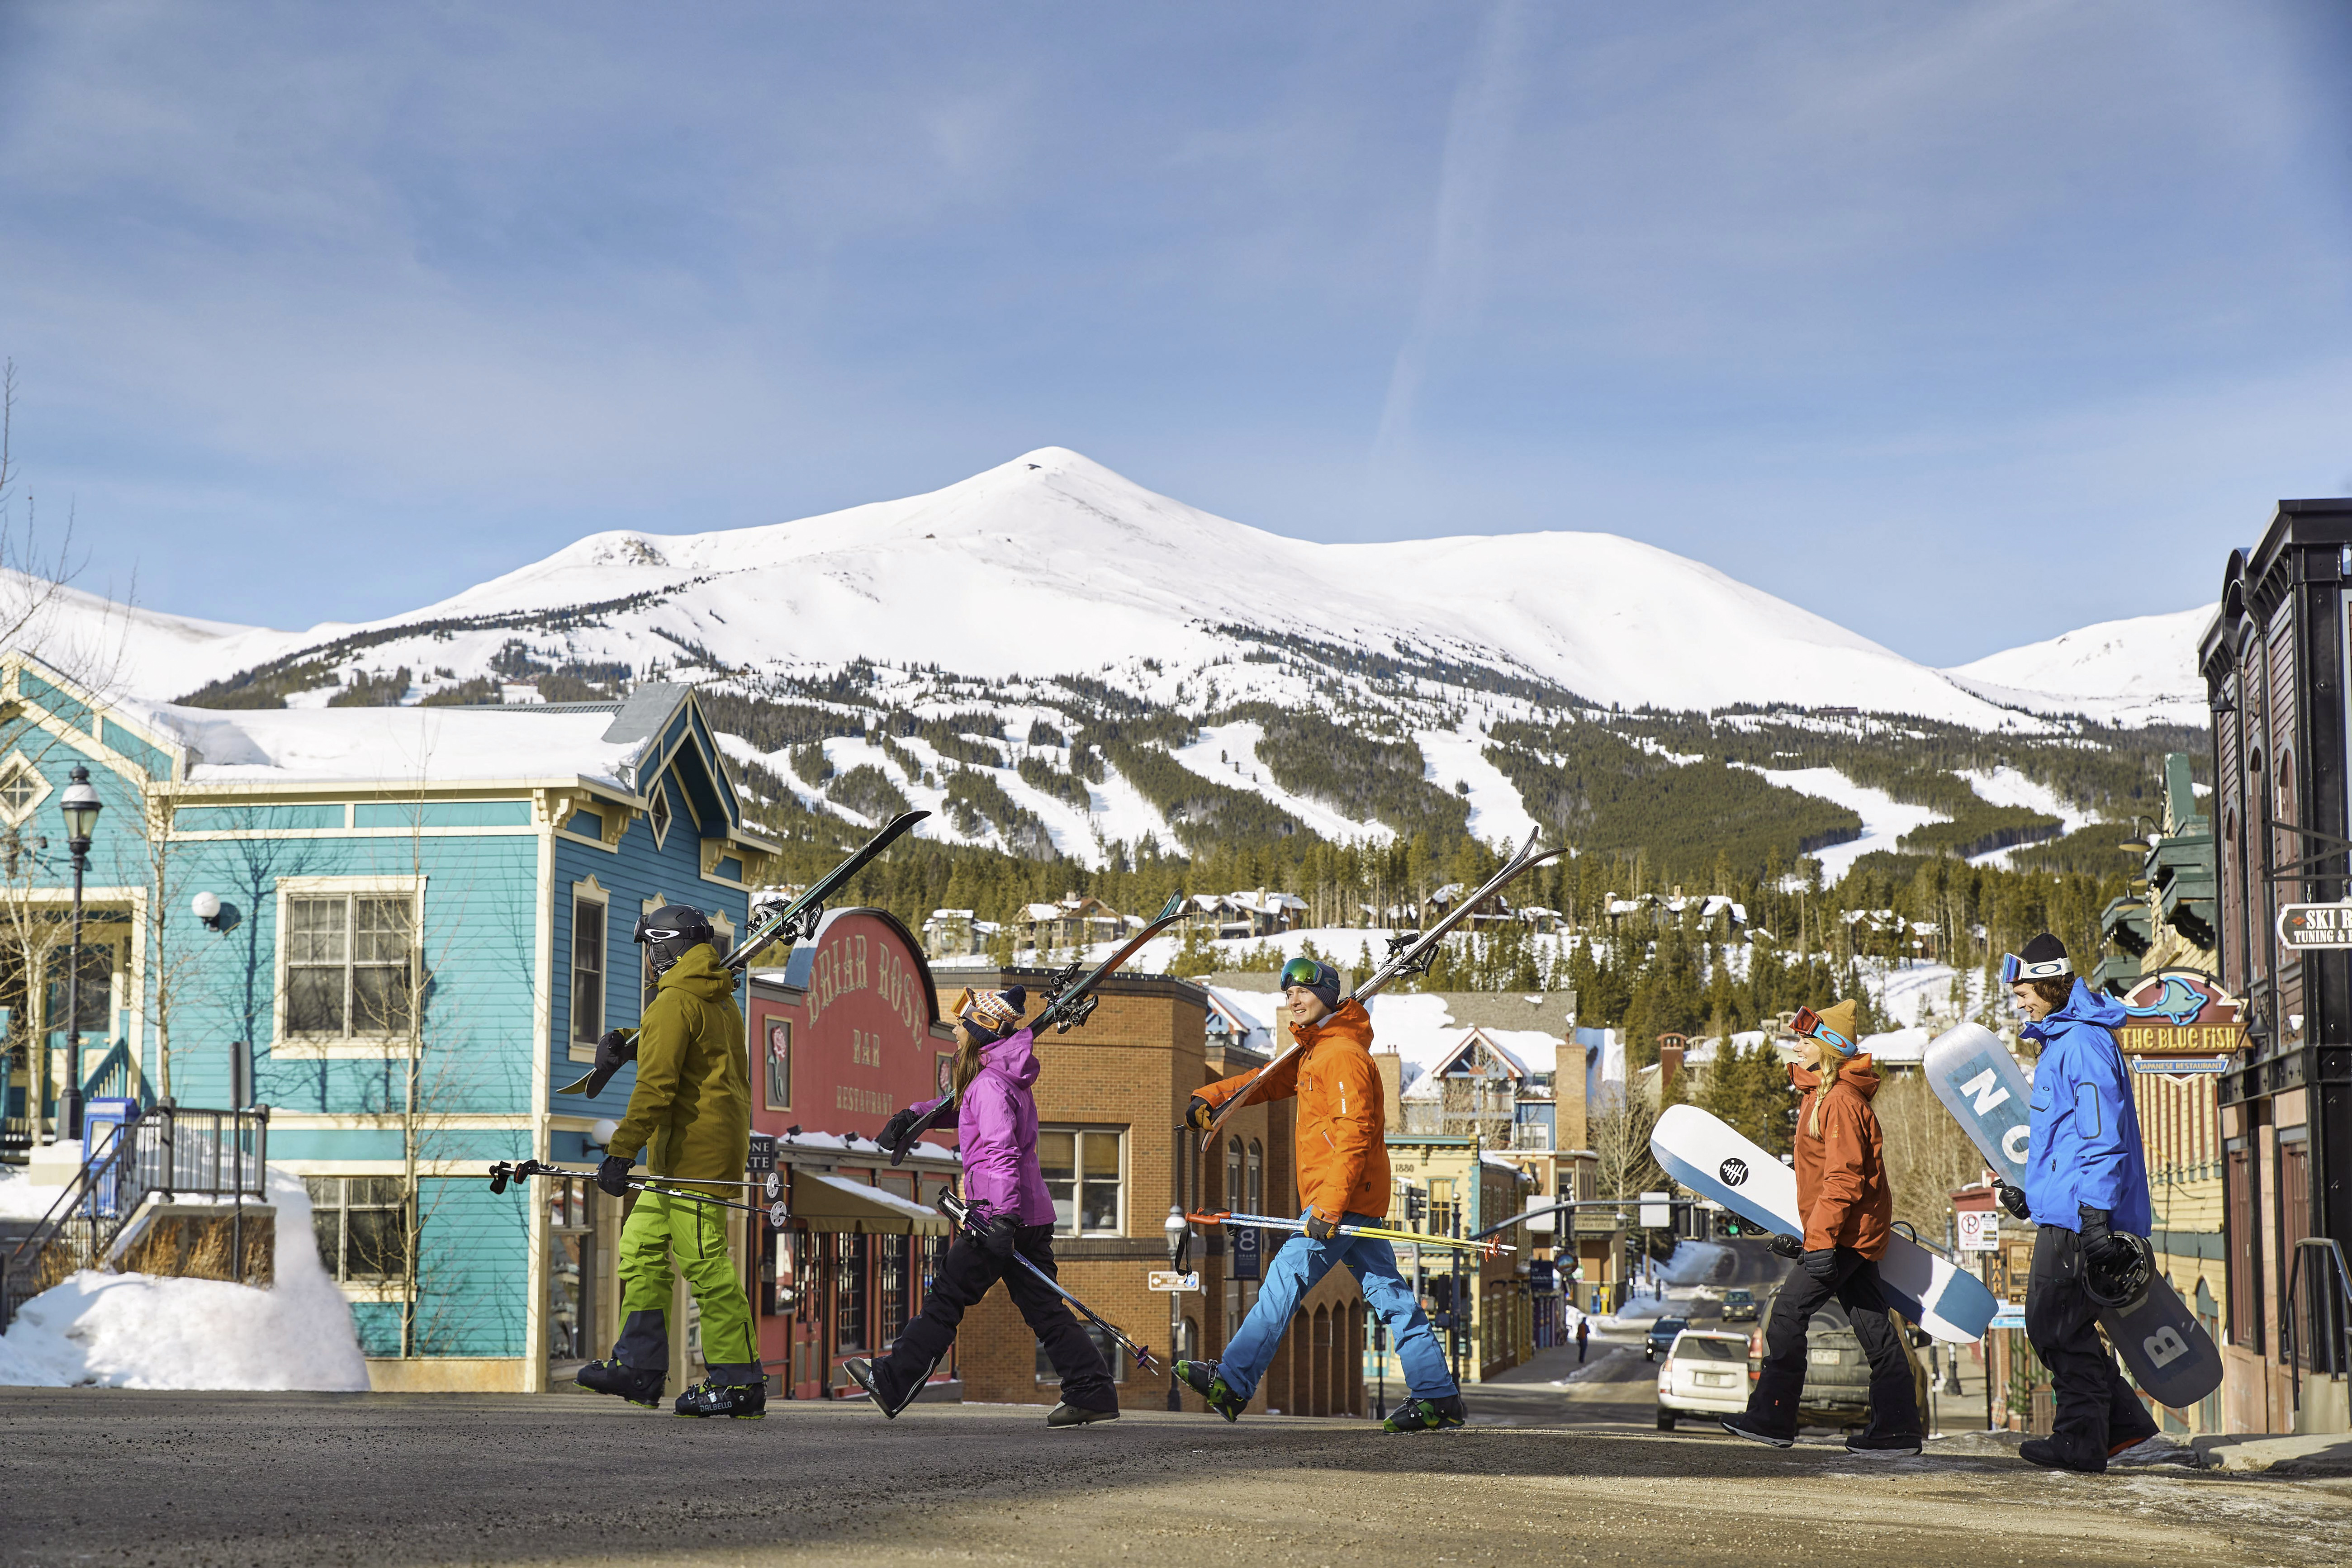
[
  {"x": 2142, "y": 670},
  {"x": 1011, "y": 652}
]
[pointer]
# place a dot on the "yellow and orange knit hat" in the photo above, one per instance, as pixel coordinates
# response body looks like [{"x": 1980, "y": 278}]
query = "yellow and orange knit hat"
[{"x": 994, "y": 1013}]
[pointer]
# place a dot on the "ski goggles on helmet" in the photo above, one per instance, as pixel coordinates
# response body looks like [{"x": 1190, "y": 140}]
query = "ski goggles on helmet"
[
  {"x": 1809, "y": 1023},
  {"x": 2014, "y": 969}
]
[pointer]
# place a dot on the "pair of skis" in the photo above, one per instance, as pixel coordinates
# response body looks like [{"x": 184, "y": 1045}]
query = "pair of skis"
[
  {"x": 956, "y": 1209},
  {"x": 794, "y": 921},
  {"x": 1070, "y": 1000},
  {"x": 506, "y": 1171},
  {"x": 1411, "y": 954},
  {"x": 1376, "y": 1232}
]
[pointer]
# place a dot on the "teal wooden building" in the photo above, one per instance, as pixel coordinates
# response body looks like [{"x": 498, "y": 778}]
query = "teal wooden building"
[{"x": 424, "y": 921}]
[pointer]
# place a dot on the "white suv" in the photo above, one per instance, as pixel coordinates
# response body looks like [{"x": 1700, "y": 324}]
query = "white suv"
[{"x": 1705, "y": 1373}]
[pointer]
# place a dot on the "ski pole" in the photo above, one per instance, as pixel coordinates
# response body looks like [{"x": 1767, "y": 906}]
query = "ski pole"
[
  {"x": 1372, "y": 1232},
  {"x": 959, "y": 1211},
  {"x": 505, "y": 1171}
]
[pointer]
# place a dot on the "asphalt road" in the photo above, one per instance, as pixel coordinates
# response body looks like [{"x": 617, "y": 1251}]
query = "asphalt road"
[{"x": 1546, "y": 1474}]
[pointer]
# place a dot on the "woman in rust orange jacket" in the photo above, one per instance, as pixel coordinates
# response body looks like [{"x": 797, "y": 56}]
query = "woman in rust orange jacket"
[
  {"x": 1343, "y": 1178},
  {"x": 1848, "y": 1210}
]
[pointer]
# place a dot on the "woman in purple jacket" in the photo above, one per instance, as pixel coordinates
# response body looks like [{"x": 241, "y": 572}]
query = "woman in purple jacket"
[{"x": 1011, "y": 1211}]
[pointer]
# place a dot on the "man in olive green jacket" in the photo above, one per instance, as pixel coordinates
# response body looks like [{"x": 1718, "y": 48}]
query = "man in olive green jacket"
[{"x": 691, "y": 1113}]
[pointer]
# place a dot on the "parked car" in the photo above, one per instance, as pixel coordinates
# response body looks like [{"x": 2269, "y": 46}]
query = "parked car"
[
  {"x": 1705, "y": 1374},
  {"x": 1837, "y": 1373},
  {"x": 1740, "y": 1306},
  {"x": 1661, "y": 1337}
]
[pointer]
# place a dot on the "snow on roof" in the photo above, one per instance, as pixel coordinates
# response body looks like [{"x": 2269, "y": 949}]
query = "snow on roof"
[
  {"x": 1420, "y": 1027},
  {"x": 1500, "y": 1163},
  {"x": 807, "y": 1142},
  {"x": 1898, "y": 1047},
  {"x": 255, "y": 745}
]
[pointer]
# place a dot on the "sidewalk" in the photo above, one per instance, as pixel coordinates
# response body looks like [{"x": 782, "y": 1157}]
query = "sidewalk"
[{"x": 2310, "y": 1457}]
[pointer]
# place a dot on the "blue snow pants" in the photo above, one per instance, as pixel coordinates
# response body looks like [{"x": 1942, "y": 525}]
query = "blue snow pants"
[{"x": 1298, "y": 1265}]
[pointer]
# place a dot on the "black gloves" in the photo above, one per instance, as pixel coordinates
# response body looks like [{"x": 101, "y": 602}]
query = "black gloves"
[
  {"x": 895, "y": 1130},
  {"x": 2101, "y": 1246},
  {"x": 612, "y": 1175},
  {"x": 1199, "y": 1114},
  {"x": 1821, "y": 1262},
  {"x": 1789, "y": 1246},
  {"x": 1003, "y": 1233},
  {"x": 1320, "y": 1229},
  {"x": 612, "y": 1049},
  {"x": 2013, "y": 1199}
]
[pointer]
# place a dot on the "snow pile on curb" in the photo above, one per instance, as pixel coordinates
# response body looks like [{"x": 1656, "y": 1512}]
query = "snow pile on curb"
[
  {"x": 133, "y": 1330},
  {"x": 1696, "y": 1262}
]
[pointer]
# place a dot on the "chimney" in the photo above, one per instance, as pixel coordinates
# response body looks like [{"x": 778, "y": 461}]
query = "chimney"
[{"x": 1670, "y": 1059}]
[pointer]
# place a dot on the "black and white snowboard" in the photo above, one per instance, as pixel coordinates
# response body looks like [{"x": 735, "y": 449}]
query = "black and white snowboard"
[{"x": 2167, "y": 1349}]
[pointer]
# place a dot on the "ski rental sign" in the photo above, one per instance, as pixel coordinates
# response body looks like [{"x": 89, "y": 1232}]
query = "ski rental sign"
[{"x": 2303, "y": 927}]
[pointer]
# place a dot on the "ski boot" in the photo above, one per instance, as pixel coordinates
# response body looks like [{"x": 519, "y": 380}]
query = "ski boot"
[
  {"x": 743, "y": 1401},
  {"x": 861, "y": 1372},
  {"x": 1742, "y": 1425},
  {"x": 1203, "y": 1379},
  {"x": 2042, "y": 1451},
  {"x": 1428, "y": 1414},
  {"x": 1068, "y": 1415},
  {"x": 623, "y": 1381}
]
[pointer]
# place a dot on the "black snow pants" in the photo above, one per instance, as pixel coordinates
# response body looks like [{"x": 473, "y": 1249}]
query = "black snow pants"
[
  {"x": 2094, "y": 1409},
  {"x": 1780, "y": 1381},
  {"x": 963, "y": 1278}
]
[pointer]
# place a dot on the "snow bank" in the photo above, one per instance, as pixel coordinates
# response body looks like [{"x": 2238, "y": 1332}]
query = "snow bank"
[
  {"x": 133, "y": 1330},
  {"x": 21, "y": 1199}
]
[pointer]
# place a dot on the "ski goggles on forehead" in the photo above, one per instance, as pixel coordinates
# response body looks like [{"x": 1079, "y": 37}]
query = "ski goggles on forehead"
[
  {"x": 1303, "y": 971},
  {"x": 1809, "y": 1023},
  {"x": 2014, "y": 969}
]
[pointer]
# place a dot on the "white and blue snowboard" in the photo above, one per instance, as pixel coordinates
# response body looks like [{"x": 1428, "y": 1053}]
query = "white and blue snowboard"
[
  {"x": 2167, "y": 1349},
  {"x": 1714, "y": 1161}
]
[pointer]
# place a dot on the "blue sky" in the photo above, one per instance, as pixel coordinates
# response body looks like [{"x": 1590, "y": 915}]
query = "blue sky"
[{"x": 1961, "y": 324}]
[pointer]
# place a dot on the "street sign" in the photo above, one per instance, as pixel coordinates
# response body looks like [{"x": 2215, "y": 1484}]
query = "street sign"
[
  {"x": 1167, "y": 1279},
  {"x": 1657, "y": 1211},
  {"x": 2315, "y": 925},
  {"x": 1980, "y": 1230}
]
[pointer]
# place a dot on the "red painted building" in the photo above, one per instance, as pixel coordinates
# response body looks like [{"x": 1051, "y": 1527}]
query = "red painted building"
[{"x": 846, "y": 1034}]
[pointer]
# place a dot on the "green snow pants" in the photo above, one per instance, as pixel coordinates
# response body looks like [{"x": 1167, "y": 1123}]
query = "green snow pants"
[{"x": 697, "y": 1233}]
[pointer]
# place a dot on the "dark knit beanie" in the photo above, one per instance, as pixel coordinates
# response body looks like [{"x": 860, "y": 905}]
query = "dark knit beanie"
[{"x": 2043, "y": 949}]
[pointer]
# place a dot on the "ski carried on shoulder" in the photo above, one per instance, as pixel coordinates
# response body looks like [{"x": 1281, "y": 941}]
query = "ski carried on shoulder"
[
  {"x": 793, "y": 921},
  {"x": 1375, "y": 1232},
  {"x": 958, "y": 1211},
  {"x": 1070, "y": 1000},
  {"x": 1410, "y": 954}
]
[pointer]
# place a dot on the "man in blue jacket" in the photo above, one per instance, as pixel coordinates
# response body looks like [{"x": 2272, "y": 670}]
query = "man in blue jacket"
[{"x": 2087, "y": 1188}]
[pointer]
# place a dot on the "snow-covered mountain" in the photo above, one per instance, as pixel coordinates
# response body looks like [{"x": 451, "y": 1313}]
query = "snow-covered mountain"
[
  {"x": 1049, "y": 593},
  {"x": 1053, "y": 563},
  {"x": 2142, "y": 670}
]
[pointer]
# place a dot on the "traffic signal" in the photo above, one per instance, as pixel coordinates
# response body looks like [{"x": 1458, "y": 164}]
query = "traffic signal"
[{"x": 1735, "y": 1226}]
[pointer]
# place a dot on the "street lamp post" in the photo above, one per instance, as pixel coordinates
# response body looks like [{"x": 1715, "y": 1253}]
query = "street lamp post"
[
  {"x": 1175, "y": 1229},
  {"x": 80, "y": 806}
]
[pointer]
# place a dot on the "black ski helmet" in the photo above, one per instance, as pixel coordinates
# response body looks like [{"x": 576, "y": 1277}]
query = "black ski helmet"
[{"x": 668, "y": 931}]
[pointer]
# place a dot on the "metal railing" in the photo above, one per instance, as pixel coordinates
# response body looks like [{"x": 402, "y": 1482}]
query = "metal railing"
[
  {"x": 2330, "y": 1317},
  {"x": 168, "y": 1151}
]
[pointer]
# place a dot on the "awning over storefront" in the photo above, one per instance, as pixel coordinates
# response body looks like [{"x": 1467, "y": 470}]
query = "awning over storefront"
[{"x": 823, "y": 1201}]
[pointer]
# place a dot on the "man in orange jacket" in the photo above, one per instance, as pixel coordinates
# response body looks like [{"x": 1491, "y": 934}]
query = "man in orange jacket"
[
  {"x": 1848, "y": 1211},
  {"x": 1343, "y": 1178}
]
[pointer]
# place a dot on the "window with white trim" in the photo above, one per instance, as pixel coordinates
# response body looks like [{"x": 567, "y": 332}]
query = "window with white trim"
[
  {"x": 587, "y": 967},
  {"x": 361, "y": 1226},
  {"x": 1085, "y": 1170},
  {"x": 350, "y": 964}
]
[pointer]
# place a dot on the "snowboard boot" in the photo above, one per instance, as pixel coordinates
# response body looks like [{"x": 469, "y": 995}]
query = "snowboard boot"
[
  {"x": 623, "y": 1381},
  {"x": 743, "y": 1401},
  {"x": 1203, "y": 1379},
  {"x": 1428, "y": 1414},
  {"x": 1891, "y": 1446},
  {"x": 1068, "y": 1415},
  {"x": 1743, "y": 1425},
  {"x": 861, "y": 1372},
  {"x": 2044, "y": 1452}
]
